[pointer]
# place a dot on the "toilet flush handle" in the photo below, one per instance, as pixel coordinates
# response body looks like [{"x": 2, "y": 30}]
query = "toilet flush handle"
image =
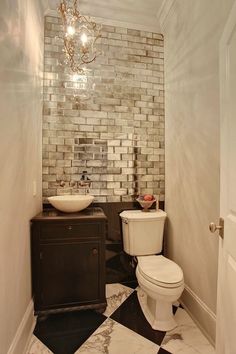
[{"x": 125, "y": 221}]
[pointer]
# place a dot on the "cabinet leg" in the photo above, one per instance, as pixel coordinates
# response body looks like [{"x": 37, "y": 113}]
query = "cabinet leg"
[
  {"x": 101, "y": 309},
  {"x": 41, "y": 318}
]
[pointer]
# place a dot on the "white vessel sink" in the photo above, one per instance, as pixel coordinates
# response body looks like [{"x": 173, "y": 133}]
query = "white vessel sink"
[{"x": 71, "y": 203}]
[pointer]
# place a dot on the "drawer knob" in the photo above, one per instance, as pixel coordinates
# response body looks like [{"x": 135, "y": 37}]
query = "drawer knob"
[
  {"x": 95, "y": 251},
  {"x": 69, "y": 227}
]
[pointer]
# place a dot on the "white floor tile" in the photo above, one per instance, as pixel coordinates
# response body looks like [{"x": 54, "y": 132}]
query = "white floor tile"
[
  {"x": 113, "y": 338},
  {"x": 37, "y": 347},
  {"x": 116, "y": 294},
  {"x": 186, "y": 338}
]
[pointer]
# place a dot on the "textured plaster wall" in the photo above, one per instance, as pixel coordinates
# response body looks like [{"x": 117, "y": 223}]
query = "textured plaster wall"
[
  {"x": 21, "y": 59},
  {"x": 192, "y": 35}
]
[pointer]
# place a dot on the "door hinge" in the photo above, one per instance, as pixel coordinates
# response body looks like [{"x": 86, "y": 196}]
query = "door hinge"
[{"x": 222, "y": 227}]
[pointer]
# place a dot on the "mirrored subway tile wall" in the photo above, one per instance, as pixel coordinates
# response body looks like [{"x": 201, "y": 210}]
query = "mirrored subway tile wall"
[{"x": 117, "y": 135}]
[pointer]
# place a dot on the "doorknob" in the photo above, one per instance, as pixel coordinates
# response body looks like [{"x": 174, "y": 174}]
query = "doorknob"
[
  {"x": 95, "y": 251},
  {"x": 213, "y": 227}
]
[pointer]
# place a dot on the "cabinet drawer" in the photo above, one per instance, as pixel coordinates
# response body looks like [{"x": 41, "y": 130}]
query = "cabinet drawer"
[{"x": 58, "y": 231}]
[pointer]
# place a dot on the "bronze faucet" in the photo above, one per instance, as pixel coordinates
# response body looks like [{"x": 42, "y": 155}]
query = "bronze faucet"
[{"x": 85, "y": 182}]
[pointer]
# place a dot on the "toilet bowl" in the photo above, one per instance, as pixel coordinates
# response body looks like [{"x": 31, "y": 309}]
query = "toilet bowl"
[
  {"x": 161, "y": 284},
  {"x": 160, "y": 280}
]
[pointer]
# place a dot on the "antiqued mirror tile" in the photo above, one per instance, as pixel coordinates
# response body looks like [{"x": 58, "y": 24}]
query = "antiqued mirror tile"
[{"x": 118, "y": 129}]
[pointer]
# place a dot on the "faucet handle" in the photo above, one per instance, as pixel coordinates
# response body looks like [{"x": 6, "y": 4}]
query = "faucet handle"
[
  {"x": 85, "y": 182},
  {"x": 84, "y": 176},
  {"x": 73, "y": 184}
]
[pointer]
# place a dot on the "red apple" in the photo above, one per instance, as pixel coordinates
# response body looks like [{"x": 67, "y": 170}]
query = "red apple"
[{"x": 148, "y": 197}]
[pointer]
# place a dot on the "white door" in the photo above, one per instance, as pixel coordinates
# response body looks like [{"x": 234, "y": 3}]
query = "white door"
[{"x": 226, "y": 307}]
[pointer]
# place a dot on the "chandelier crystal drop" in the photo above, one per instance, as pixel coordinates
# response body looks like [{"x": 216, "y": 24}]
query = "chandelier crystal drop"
[
  {"x": 83, "y": 86},
  {"x": 80, "y": 35}
]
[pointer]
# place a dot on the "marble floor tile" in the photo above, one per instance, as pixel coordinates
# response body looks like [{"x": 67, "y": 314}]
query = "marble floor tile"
[
  {"x": 37, "y": 347},
  {"x": 122, "y": 329},
  {"x": 116, "y": 294},
  {"x": 186, "y": 338},
  {"x": 113, "y": 338},
  {"x": 130, "y": 315},
  {"x": 64, "y": 333}
]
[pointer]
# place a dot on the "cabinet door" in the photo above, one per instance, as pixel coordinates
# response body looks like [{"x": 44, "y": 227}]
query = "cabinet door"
[{"x": 69, "y": 273}]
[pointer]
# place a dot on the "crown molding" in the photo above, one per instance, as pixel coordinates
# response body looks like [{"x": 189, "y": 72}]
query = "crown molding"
[
  {"x": 153, "y": 27},
  {"x": 149, "y": 27},
  {"x": 165, "y": 13}
]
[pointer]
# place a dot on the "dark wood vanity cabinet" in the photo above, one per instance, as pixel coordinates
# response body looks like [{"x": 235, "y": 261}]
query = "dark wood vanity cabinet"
[{"x": 68, "y": 260}]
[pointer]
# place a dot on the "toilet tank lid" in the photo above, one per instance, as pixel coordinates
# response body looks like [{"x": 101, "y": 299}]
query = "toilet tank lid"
[{"x": 139, "y": 215}]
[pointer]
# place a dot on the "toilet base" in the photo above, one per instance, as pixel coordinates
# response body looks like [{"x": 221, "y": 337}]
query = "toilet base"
[{"x": 158, "y": 314}]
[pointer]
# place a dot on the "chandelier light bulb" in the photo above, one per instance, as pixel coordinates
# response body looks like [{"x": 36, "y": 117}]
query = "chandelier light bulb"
[
  {"x": 70, "y": 30},
  {"x": 84, "y": 38}
]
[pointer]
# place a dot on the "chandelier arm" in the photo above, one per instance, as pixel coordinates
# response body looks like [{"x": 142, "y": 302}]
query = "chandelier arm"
[
  {"x": 62, "y": 9},
  {"x": 70, "y": 49},
  {"x": 70, "y": 52},
  {"x": 89, "y": 60},
  {"x": 97, "y": 37},
  {"x": 76, "y": 68},
  {"x": 90, "y": 23}
]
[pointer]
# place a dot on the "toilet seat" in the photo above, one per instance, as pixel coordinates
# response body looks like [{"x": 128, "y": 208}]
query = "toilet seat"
[{"x": 160, "y": 271}]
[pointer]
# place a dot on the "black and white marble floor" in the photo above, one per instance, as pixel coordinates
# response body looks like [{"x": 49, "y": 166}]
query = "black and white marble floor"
[{"x": 121, "y": 329}]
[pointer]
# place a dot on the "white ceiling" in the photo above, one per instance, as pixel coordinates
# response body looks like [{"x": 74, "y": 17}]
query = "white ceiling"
[{"x": 142, "y": 13}]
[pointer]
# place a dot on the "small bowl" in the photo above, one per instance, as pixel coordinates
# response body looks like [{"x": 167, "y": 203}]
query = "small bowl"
[{"x": 145, "y": 204}]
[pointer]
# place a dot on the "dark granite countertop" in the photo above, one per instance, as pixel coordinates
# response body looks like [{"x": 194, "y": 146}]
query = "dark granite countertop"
[{"x": 54, "y": 214}]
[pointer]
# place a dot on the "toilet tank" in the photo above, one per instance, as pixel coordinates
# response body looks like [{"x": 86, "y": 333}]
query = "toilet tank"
[{"x": 142, "y": 232}]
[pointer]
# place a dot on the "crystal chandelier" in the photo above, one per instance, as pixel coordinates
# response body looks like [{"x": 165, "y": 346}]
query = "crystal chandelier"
[{"x": 80, "y": 35}]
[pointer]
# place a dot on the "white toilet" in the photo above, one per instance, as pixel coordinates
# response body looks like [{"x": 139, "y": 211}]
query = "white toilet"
[{"x": 160, "y": 279}]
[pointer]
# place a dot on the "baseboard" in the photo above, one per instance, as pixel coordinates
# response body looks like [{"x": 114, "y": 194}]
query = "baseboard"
[
  {"x": 200, "y": 313},
  {"x": 24, "y": 331}
]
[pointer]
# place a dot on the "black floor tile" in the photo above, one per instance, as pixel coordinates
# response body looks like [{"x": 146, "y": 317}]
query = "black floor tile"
[
  {"x": 64, "y": 333},
  {"x": 174, "y": 309},
  {"x": 129, "y": 314},
  {"x": 131, "y": 284},
  {"x": 163, "y": 351}
]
